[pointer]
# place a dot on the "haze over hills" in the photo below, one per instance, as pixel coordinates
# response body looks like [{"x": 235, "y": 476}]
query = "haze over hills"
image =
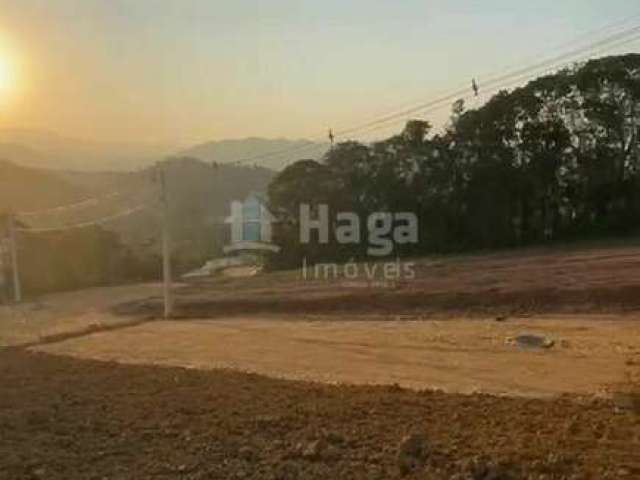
[
  {"x": 26, "y": 189},
  {"x": 270, "y": 153},
  {"x": 44, "y": 149},
  {"x": 199, "y": 200}
]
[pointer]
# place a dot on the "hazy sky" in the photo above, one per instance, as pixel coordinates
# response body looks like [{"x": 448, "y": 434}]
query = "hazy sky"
[{"x": 181, "y": 71}]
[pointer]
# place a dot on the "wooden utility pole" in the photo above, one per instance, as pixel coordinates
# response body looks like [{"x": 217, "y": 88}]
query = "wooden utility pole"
[
  {"x": 166, "y": 247},
  {"x": 13, "y": 247}
]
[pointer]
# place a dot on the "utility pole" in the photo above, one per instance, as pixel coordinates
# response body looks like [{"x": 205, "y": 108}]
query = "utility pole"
[
  {"x": 166, "y": 246},
  {"x": 13, "y": 247}
]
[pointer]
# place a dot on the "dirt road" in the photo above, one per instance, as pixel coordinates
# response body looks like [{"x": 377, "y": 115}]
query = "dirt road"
[
  {"x": 60, "y": 314},
  {"x": 589, "y": 354}
]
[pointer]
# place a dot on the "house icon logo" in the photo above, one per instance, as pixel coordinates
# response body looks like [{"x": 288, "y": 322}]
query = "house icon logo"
[{"x": 251, "y": 226}]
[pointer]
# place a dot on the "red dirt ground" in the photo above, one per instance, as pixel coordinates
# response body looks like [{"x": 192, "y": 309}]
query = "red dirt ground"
[
  {"x": 69, "y": 419},
  {"x": 542, "y": 280}
]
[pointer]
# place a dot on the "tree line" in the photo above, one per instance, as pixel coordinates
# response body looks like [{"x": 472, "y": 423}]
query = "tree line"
[{"x": 557, "y": 159}]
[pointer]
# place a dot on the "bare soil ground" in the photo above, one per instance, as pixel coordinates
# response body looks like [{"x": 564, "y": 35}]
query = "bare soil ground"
[
  {"x": 147, "y": 417},
  {"x": 68, "y": 419},
  {"x": 518, "y": 282},
  {"x": 591, "y": 355},
  {"x": 59, "y": 315}
]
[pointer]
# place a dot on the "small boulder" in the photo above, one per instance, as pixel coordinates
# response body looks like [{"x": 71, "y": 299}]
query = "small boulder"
[{"x": 532, "y": 341}]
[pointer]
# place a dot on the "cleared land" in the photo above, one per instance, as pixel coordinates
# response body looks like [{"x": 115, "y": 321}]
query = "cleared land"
[
  {"x": 590, "y": 356},
  {"x": 519, "y": 282},
  {"x": 438, "y": 331},
  {"x": 139, "y": 414},
  {"x": 64, "y": 419},
  {"x": 58, "y": 315}
]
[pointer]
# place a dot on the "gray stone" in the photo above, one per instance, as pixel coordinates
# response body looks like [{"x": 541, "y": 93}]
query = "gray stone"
[{"x": 533, "y": 341}]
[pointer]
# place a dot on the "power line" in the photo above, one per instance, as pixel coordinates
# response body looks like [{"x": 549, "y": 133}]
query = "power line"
[
  {"x": 492, "y": 89},
  {"x": 308, "y": 144},
  {"x": 575, "y": 41},
  {"x": 100, "y": 221},
  {"x": 462, "y": 92},
  {"x": 72, "y": 206},
  {"x": 497, "y": 81},
  {"x": 28, "y": 217}
]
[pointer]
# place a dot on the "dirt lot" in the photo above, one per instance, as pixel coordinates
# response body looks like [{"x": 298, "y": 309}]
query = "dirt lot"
[
  {"x": 590, "y": 355},
  {"x": 439, "y": 331},
  {"x": 148, "y": 417},
  {"x": 68, "y": 419},
  {"x": 518, "y": 282},
  {"x": 57, "y": 315}
]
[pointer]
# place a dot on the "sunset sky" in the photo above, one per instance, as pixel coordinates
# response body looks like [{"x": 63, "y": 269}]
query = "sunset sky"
[{"x": 178, "y": 72}]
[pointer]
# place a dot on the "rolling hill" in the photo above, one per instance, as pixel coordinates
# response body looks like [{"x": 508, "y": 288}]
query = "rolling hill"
[
  {"x": 271, "y": 153},
  {"x": 26, "y": 189},
  {"x": 43, "y": 149}
]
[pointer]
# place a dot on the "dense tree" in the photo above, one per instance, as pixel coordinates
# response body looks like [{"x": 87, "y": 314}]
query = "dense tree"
[{"x": 555, "y": 159}]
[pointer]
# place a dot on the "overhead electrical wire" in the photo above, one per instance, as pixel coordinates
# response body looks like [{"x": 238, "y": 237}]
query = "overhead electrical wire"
[
  {"x": 27, "y": 218},
  {"x": 498, "y": 83},
  {"x": 90, "y": 202},
  {"x": 498, "y": 80},
  {"x": 100, "y": 221},
  {"x": 575, "y": 41},
  {"x": 518, "y": 75},
  {"x": 495, "y": 82},
  {"x": 491, "y": 89}
]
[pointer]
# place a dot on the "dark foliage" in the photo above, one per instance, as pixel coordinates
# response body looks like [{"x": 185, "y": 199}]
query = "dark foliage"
[{"x": 556, "y": 159}]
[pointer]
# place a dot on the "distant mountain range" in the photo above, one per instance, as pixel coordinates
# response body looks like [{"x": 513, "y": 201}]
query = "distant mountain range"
[
  {"x": 43, "y": 149},
  {"x": 44, "y": 171},
  {"x": 270, "y": 153}
]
